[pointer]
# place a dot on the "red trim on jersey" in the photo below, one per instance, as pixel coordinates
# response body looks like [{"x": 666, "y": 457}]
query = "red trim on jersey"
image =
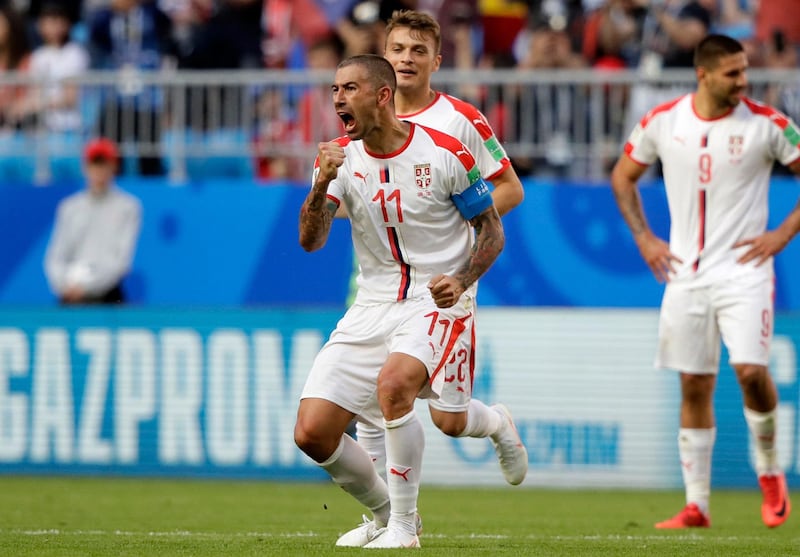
[
  {"x": 334, "y": 199},
  {"x": 505, "y": 164},
  {"x": 398, "y": 151},
  {"x": 701, "y": 238},
  {"x": 472, "y": 114},
  {"x": 453, "y": 145},
  {"x": 472, "y": 358},
  {"x": 628, "y": 149},
  {"x": 704, "y": 119},
  {"x": 421, "y": 110},
  {"x": 455, "y": 332},
  {"x": 405, "y": 268},
  {"x": 773, "y": 114},
  {"x": 384, "y": 175},
  {"x": 665, "y": 107}
]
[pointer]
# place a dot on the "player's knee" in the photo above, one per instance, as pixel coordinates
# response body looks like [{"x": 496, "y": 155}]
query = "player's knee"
[
  {"x": 396, "y": 396},
  {"x": 751, "y": 377},
  {"x": 450, "y": 424},
  {"x": 311, "y": 442},
  {"x": 451, "y": 429},
  {"x": 697, "y": 389}
]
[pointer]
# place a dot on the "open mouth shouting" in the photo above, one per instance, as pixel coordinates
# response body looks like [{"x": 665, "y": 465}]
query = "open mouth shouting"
[{"x": 348, "y": 120}]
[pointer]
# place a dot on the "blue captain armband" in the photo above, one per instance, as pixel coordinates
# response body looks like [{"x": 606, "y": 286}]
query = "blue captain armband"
[{"x": 474, "y": 200}]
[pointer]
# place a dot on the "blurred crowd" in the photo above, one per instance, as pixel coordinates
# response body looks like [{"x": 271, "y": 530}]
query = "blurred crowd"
[{"x": 56, "y": 40}]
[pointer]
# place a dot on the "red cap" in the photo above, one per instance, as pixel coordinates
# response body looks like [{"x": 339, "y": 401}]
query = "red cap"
[{"x": 101, "y": 149}]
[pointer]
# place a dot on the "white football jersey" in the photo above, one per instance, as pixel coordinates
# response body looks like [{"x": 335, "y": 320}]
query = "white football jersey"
[
  {"x": 409, "y": 212},
  {"x": 465, "y": 122},
  {"x": 716, "y": 174}
]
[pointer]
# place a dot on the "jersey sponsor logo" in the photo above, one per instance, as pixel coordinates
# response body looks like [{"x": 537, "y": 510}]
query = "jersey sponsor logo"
[
  {"x": 736, "y": 145},
  {"x": 422, "y": 176}
]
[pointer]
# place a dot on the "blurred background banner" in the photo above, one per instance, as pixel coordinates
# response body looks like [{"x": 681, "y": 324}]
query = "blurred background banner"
[
  {"x": 234, "y": 243},
  {"x": 214, "y": 393}
]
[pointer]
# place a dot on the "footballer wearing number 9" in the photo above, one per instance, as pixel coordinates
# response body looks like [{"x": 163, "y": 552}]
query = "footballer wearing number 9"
[
  {"x": 717, "y": 148},
  {"x": 424, "y": 229}
]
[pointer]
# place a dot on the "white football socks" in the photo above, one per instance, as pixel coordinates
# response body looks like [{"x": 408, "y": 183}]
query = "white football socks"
[
  {"x": 350, "y": 467},
  {"x": 695, "y": 447},
  {"x": 482, "y": 421},
  {"x": 374, "y": 442},
  {"x": 762, "y": 429},
  {"x": 405, "y": 443}
]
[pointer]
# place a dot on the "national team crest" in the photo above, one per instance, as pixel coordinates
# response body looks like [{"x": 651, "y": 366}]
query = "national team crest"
[
  {"x": 736, "y": 145},
  {"x": 422, "y": 175}
]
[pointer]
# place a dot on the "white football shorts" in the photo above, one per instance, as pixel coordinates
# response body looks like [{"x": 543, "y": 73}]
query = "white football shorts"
[
  {"x": 346, "y": 369},
  {"x": 692, "y": 320}
]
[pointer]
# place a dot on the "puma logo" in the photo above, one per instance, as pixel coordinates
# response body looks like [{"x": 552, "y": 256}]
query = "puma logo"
[
  {"x": 404, "y": 475},
  {"x": 361, "y": 176}
]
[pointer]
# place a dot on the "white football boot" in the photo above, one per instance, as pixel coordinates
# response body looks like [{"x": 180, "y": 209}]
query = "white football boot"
[{"x": 509, "y": 448}]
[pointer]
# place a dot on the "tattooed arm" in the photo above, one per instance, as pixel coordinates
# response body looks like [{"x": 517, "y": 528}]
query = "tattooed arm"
[
  {"x": 489, "y": 242},
  {"x": 654, "y": 250},
  {"x": 316, "y": 214}
]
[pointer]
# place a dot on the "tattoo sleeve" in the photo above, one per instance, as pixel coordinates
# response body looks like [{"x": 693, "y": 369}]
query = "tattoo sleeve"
[
  {"x": 316, "y": 216},
  {"x": 489, "y": 242}
]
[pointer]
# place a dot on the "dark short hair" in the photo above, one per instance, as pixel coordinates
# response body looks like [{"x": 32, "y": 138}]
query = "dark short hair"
[
  {"x": 54, "y": 9},
  {"x": 379, "y": 70},
  {"x": 713, "y": 47}
]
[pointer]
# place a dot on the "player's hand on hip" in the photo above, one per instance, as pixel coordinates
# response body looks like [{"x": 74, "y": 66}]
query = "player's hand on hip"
[
  {"x": 656, "y": 254},
  {"x": 331, "y": 157},
  {"x": 762, "y": 247},
  {"x": 445, "y": 290}
]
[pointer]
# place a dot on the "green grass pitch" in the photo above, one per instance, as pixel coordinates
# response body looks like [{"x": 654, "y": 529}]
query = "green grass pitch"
[{"x": 46, "y": 516}]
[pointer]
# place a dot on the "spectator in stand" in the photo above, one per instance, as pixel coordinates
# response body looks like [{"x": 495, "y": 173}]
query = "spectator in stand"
[
  {"x": 95, "y": 234},
  {"x": 363, "y": 30},
  {"x": 315, "y": 120},
  {"x": 132, "y": 36},
  {"x": 545, "y": 111},
  {"x": 677, "y": 31},
  {"x": 275, "y": 129},
  {"x": 772, "y": 15},
  {"x": 612, "y": 33},
  {"x": 14, "y": 57},
  {"x": 72, "y": 8},
  {"x": 57, "y": 59},
  {"x": 229, "y": 39},
  {"x": 290, "y": 27},
  {"x": 735, "y": 19},
  {"x": 669, "y": 38},
  {"x": 187, "y": 16},
  {"x": 501, "y": 22},
  {"x": 458, "y": 20}
]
